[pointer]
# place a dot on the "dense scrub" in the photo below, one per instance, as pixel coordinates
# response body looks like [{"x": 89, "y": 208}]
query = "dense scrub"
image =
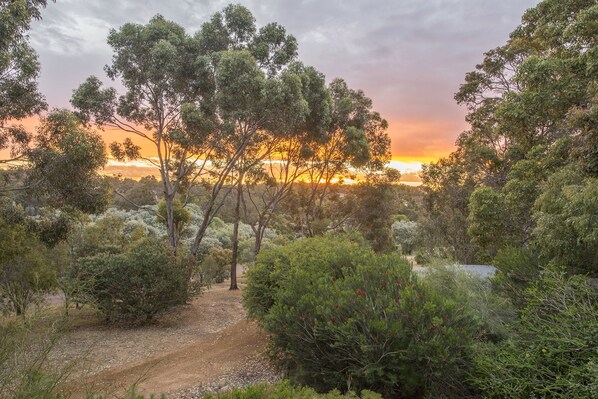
[
  {"x": 341, "y": 317},
  {"x": 553, "y": 352}
]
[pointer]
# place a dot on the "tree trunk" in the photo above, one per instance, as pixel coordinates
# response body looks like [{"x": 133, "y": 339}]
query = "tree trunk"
[
  {"x": 259, "y": 236},
  {"x": 233, "y": 266},
  {"x": 170, "y": 227}
]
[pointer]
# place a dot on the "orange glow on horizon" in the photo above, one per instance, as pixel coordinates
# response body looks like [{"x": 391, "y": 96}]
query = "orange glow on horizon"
[{"x": 413, "y": 142}]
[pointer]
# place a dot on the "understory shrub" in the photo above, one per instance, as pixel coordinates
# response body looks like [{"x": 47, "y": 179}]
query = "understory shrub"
[
  {"x": 215, "y": 267},
  {"x": 491, "y": 312},
  {"x": 285, "y": 390},
  {"x": 554, "y": 352},
  {"x": 137, "y": 284},
  {"x": 517, "y": 268},
  {"x": 342, "y": 317},
  {"x": 25, "y": 343}
]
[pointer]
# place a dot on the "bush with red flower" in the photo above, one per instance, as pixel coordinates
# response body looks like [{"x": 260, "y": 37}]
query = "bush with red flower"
[{"x": 336, "y": 321}]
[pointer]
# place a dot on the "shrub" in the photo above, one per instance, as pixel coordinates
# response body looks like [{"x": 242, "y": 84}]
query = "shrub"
[
  {"x": 341, "y": 317},
  {"x": 517, "y": 268},
  {"x": 273, "y": 266},
  {"x": 216, "y": 265},
  {"x": 491, "y": 312},
  {"x": 27, "y": 268},
  {"x": 137, "y": 284},
  {"x": 554, "y": 353},
  {"x": 25, "y": 343},
  {"x": 287, "y": 391}
]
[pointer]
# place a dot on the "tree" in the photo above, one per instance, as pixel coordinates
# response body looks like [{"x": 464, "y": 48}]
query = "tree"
[
  {"x": 64, "y": 147},
  {"x": 532, "y": 110},
  {"x": 288, "y": 161},
  {"x": 162, "y": 72},
  {"x": 19, "y": 69},
  {"x": 566, "y": 221},
  {"x": 355, "y": 138},
  {"x": 28, "y": 266},
  {"x": 486, "y": 221},
  {"x": 404, "y": 234},
  {"x": 375, "y": 200},
  {"x": 184, "y": 95}
]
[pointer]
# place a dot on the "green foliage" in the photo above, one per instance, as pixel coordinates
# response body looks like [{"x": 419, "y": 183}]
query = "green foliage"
[
  {"x": 492, "y": 313},
  {"x": 19, "y": 69},
  {"x": 532, "y": 110},
  {"x": 486, "y": 220},
  {"x": 216, "y": 265},
  {"x": 517, "y": 268},
  {"x": 64, "y": 147},
  {"x": 553, "y": 354},
  {"x": 404, "y": 235},
  {"x": 567, "y": 221},
  {"x": 375, "y": 200},
  {"x": 272, "y": 267},
  {"x": 342, "y": 317},
  {"x": 130, "y": 394},
  {"x": 287, "y": 391},
  {"x": 28, "y": 268},
  {"x": 181, "y": 215},
  {"x": 136, "y": 285},
  {"x": 448, "y": 184},
  {"x": 24, "y": 347}
]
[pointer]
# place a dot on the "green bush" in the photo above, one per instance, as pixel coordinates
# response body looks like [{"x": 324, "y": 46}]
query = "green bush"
[
  {"x": 517, "y": 268},
  {"x": 27, "y": 268},
  {"x": 285, "y": 390},
  {"x": 554, "y": 354},
  {"x": 491, "y": 312},
  {"x": 273, "y": 266},
  {"x": 215, "y": 266},
  {"x": 137, "y": 284},
  {"x": 341, "y": 317}
]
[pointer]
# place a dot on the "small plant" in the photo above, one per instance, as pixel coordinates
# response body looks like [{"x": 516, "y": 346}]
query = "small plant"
[{"x": 287, "y": 391}]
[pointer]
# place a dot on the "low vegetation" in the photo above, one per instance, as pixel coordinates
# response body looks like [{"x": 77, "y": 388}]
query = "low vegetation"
[{"x": 287, "y": 391}]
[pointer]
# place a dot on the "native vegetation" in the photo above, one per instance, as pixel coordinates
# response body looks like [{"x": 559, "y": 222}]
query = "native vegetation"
[{"x": 251, "y": 147}]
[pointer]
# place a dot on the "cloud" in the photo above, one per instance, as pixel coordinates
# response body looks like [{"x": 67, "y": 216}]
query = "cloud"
[{"x": 409, "y": 56}]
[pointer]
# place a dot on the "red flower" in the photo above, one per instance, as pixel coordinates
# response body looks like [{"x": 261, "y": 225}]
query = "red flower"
[{"x": 361, "y": 292}]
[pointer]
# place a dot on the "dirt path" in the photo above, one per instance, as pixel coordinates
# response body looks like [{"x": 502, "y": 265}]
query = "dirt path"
[{"x": 206, "y": 346}]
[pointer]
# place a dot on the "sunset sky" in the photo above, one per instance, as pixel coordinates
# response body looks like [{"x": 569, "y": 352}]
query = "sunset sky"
[{"x": 409, "y": 56}]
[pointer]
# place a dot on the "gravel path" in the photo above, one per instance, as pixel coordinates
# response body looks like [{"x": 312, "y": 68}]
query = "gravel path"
[{"x": 206, "y": 346}]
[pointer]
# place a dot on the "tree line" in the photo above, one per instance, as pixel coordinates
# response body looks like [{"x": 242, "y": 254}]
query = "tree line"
[{"x": 228, "y": 107}]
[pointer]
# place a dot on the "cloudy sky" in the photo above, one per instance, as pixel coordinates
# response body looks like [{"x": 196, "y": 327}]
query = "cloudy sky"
[{"x": 409, "y": 56}]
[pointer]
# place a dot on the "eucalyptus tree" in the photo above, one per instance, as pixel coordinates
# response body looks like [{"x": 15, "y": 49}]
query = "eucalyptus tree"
[
  {"x": 533, "y": 110},
  {"x": 254, "y": 99},
  {"x": 355, "y": 139},
  {"x": 166, "y": 84},
  {"x": 289, "y": 159},
  {"x": 19, "y": 69},
  {"x": 194, "y": 98}
]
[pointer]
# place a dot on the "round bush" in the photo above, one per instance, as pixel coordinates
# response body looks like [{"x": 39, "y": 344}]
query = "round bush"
[
  {"x": 135, "y": 285},
  {"x": 341, "y": 317}
]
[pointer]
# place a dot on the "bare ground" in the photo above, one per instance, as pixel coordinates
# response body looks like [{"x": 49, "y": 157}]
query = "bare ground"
[{"x": 206, "y": 346}]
